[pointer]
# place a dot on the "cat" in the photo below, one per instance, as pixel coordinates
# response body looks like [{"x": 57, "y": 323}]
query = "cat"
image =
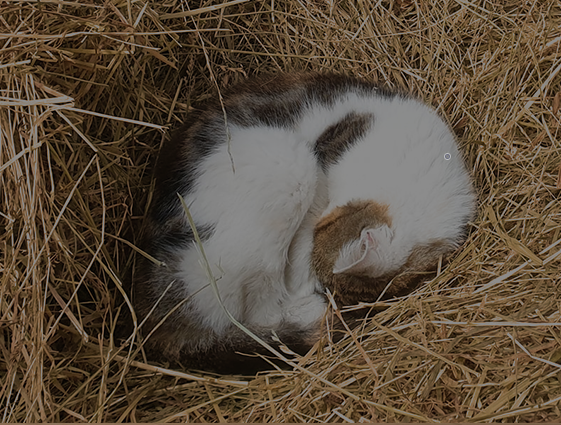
[{"x": 296, "y": 183}]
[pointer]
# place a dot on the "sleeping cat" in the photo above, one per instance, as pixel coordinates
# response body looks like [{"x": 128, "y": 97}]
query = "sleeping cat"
[{"x": 295, "y": 183}]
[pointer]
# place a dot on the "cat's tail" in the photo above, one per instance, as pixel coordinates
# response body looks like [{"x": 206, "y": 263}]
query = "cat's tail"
[{"x": 237, "y": 353}]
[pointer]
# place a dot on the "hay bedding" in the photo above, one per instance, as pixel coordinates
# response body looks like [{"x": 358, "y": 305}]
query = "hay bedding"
[{"x": 88, "y": 91}]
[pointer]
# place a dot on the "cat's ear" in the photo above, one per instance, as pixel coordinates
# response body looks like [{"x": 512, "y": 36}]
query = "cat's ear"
[
  {"x": 353, "y": 256},
  {"x": 360, "y": 254}
]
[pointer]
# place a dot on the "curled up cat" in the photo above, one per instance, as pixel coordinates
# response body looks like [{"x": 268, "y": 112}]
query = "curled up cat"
[{"x": 295, "y": 183}]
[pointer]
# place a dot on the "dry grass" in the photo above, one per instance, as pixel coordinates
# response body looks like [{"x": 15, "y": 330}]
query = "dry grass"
[{"x": 89, "y": 89}]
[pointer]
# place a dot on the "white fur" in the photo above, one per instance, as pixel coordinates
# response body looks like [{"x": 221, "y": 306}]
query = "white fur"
[
  {"x": 256, "y": 204},
  {"x": 304, "y": 305},
  {"x": 264, "y": 206}
]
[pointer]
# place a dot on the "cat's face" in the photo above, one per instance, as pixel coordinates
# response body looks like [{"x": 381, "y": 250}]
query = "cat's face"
[{"x": 356, "y": 254}]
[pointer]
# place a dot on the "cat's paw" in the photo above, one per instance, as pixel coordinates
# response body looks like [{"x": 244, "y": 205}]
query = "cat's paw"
[{"x": 306, "y": 310}]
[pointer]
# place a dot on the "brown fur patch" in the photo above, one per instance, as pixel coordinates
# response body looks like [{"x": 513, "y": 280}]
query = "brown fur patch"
[{"x": 355, "y": 210}]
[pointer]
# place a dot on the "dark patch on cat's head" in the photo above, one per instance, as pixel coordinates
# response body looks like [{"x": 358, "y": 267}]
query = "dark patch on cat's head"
[{"x": 338, "y": 138}]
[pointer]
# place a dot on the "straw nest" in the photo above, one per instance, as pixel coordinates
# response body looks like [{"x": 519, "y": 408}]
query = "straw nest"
[{"x": 90, "y": 89}]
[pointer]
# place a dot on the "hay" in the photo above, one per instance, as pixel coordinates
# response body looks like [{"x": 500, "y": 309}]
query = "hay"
[{"x": 89, "y": 89}]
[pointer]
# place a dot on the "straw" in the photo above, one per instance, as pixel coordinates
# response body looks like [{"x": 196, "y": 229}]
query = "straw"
[{"x": 88, "y": 92}]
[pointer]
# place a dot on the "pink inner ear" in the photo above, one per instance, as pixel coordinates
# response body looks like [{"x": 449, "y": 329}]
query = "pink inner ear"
[
  {"x": 364, "y": 254},
  {"x": 368, "y": 238},
  {"x": 352, "y": 257}
]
